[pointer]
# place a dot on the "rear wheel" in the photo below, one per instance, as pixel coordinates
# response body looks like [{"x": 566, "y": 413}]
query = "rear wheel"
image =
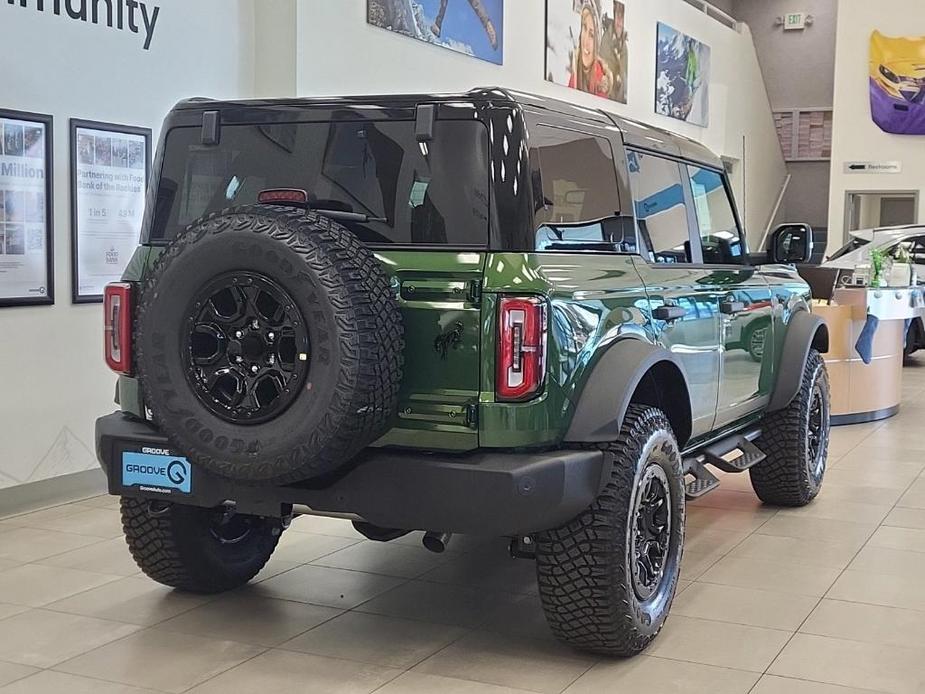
[
  {"x": 796, "y": 442},
  {"x": 196, "y": 549},
  {"x": 608, "y": 577}
]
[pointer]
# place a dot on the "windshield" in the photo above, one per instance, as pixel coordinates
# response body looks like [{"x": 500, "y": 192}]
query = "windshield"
[
  {"x": 852, "y": 245},
  {"x": 431, "y": 193}
]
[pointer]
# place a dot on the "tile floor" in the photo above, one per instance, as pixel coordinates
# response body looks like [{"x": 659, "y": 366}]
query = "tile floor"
[{"x": 829, "y": 599}]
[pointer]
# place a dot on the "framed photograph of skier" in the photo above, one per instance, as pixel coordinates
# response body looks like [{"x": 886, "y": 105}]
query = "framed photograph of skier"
[
  {"x": 472, "y": 27},
  {"x": 109, "y": 179},
  {"x": 26, "y": 223},
  {"x": 587, "y": 46},
  {"x": 682, "y": 77}
]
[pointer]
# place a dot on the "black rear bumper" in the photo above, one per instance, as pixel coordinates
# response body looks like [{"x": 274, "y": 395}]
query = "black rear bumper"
[{"x": 493, "y": 493}]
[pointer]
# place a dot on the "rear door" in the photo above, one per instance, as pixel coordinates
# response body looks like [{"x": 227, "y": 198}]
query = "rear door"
[
  {"x": 684, "y": 301},
  {"x": 745, "y": 307}
]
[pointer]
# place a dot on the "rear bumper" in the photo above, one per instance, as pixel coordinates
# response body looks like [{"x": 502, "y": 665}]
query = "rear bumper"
[{"x": 481, "y": 493}]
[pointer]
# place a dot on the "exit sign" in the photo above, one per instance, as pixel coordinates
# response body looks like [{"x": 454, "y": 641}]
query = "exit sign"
[{"x": 794, "y": 21}]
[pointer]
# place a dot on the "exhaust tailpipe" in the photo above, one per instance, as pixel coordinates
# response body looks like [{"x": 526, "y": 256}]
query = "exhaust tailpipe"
[{"x": 436, "y": 542}]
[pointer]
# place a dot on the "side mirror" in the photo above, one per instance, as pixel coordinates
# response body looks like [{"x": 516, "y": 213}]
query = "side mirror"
[{"x": 791, "y": 244}]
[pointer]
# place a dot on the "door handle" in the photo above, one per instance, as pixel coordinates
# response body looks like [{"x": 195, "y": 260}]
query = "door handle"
[
  {"x": 731, "y": 307},
  {"x": 669, "y": 313}
]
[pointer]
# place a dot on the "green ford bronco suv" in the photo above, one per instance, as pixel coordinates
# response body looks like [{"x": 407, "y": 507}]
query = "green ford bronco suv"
[{"x": 487, "y": 313}]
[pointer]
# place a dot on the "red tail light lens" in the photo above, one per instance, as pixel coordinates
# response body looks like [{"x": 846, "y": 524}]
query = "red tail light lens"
[
  {"x": 117, "y": 320},
  {"x": 282, "y": 196},
  {"x": 521, "y": 347}
]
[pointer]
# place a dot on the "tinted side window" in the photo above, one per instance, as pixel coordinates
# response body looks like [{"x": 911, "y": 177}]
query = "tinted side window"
[
  {"x": 661, "y": 211},
  {"x": 575, "y": 188},
  {"x": 719, "y": 232}
]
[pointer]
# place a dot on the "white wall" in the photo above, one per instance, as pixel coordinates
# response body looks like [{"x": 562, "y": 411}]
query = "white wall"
[
  {"x": 856, "y": 137},
  {"x": 339, "y": 53},
  {"x": 54, "y": 383}
]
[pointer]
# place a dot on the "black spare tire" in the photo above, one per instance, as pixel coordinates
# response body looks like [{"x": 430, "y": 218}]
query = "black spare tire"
[{"x": 269, "y": 344}]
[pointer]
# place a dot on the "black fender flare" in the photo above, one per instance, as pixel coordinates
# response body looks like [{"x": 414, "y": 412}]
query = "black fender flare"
[
  {"x": 805, "y": 331},
  {"x": 609, "y": 388}
]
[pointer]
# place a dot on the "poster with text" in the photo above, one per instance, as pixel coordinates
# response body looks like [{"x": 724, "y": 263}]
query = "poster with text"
[
  {"x": 110, "y": 178},
  {"x": 473, "y": 27},
  {"x": 682, "y": 77},
  {"x": 897, "y": 83},
  {"x": 587, "y": 46},
  {"x": 25, "y": 219}
]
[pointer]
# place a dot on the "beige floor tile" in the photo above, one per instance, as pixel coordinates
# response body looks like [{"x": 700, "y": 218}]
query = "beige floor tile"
[
  {"x": 882, "y": 455},
  {"x": 492, "y": 572},
  {"x": 41, "y": 639},
  {"x": 509, "y": 661},
  {"x": 759, "y": 608},
  {"x": 879, "y": 589},
  {"x": 898, "y": 478},
  {"x": 8, "y": 564},
  {"x": 695, "y": 564},
  {"x": 771, "y": 684},
  {"x": 281, "y": 671},
  {"x": 50, "y": 682},
  {"x": 257, "y": 621},
  {"x": 838, "y": 509},
  {"x": 36, "y": 518},
  {"x": 906, "y": 539},
  {"x": 161, "y": 660},
  {"x": 102, "y": 501},
  {"x": 301, "y": 548},
  {"x": 885, "y": 668},
  {"x": 384, "y": 558},
  {"x": 726, "y": 519},
  {"x": 870, "y": 623},
  {"x": 132, "y": 600},
  {"x": 372, "y": 638},
  {"x": 439, "y": 603},
  {"x": 10, "y": 672},
  {"x": 320, "y": 585},
  {"x": 718, "y": 643},
  {"x": 523, "y": 617},
  {"x": 747, "y": 572},
  {"x": 819, "y": 529},
  {"x": 274, "y": 567},
  {"x": 93, "y": 522},
  {"x": 901, "y": 517},
  {"x": 720, "y": 541},
  {"x": 648, "y": 674},
  {"x": 419, "y": 683},
  {"x": 320, "y": 525},
  {"x": 836, "y": 491},
  {"x": 8, "y": 610},
  {"x": 892, "y": 562},
  {"x": 915, "y": 496},
  {"x": 29, "y": 544},
  {"x": 731, "y": 499},
  {"x": 35, "y": 585},
  {"x": 108, "y": 557},
  {"x": 800, "y": 552}
]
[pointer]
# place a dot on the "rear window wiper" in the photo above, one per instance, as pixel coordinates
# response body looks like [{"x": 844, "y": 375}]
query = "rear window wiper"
[{"x": 341, "y": 216}]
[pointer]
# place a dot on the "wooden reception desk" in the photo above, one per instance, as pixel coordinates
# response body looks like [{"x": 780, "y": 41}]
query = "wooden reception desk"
[{"x": 867, "y": 392}]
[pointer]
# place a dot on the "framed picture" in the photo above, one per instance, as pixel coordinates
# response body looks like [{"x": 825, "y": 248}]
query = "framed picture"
[
  {"x": 682, "y": 77},
  {"x": 472, "y": 27},
  {"x": 109, "y": 177},
  {"x": 587, "y": 46},
  {"x": 897, "y": 83},
  {"x": 27, "y": 273}
]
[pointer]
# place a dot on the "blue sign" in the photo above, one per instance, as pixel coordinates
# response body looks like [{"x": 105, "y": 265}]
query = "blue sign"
[{"x": 156, "y": 472}]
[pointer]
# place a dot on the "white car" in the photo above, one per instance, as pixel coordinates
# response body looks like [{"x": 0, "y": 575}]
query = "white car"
[{"x": 910, "y": 238}]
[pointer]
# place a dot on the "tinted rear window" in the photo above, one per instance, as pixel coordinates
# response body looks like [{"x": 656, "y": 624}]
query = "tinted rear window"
[{"x": 433, "y": 193}]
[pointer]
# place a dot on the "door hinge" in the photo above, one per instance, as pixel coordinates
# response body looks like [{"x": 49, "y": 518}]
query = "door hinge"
[
  {"x": 475, "y": 291},
  {"x": 472, "y": 415}
]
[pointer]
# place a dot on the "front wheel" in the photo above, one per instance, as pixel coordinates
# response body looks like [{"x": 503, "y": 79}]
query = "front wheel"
[
  {"x": 608, "y": 577},
  {"x": 796, "y": 442},
  {"x": 197, "y": 549}
]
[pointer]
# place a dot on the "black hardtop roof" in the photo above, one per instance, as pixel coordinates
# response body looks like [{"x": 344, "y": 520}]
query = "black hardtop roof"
[{"x": 635, "y": 132}]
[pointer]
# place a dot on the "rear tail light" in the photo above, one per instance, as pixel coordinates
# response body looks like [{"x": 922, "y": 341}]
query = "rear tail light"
[
  {"x": 521, "y": 347},
  {"x": 282, "y": 196},
  {"x": 117, "y": 320}
]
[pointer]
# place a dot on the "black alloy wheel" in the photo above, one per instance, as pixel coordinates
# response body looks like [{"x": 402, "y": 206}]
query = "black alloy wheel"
[
  {"x": 817, "y": 432},
  {"x": 246, "y": 348},
  {"x": 651, "y": 531}
]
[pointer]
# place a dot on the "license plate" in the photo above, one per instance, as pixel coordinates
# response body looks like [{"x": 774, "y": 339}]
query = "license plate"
[{"x": 157, "y": 472}]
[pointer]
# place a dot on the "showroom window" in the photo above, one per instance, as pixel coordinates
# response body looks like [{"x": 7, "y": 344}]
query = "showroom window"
[
  {"x": 719, "y": 231},
  {"x": 576, "y": 195},
  {"x": 434, "y": 193},
  {"x": 661, "y": 208}
]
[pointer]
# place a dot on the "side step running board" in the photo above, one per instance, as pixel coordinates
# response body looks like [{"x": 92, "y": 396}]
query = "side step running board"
[{"x": 736, "y": 453}]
